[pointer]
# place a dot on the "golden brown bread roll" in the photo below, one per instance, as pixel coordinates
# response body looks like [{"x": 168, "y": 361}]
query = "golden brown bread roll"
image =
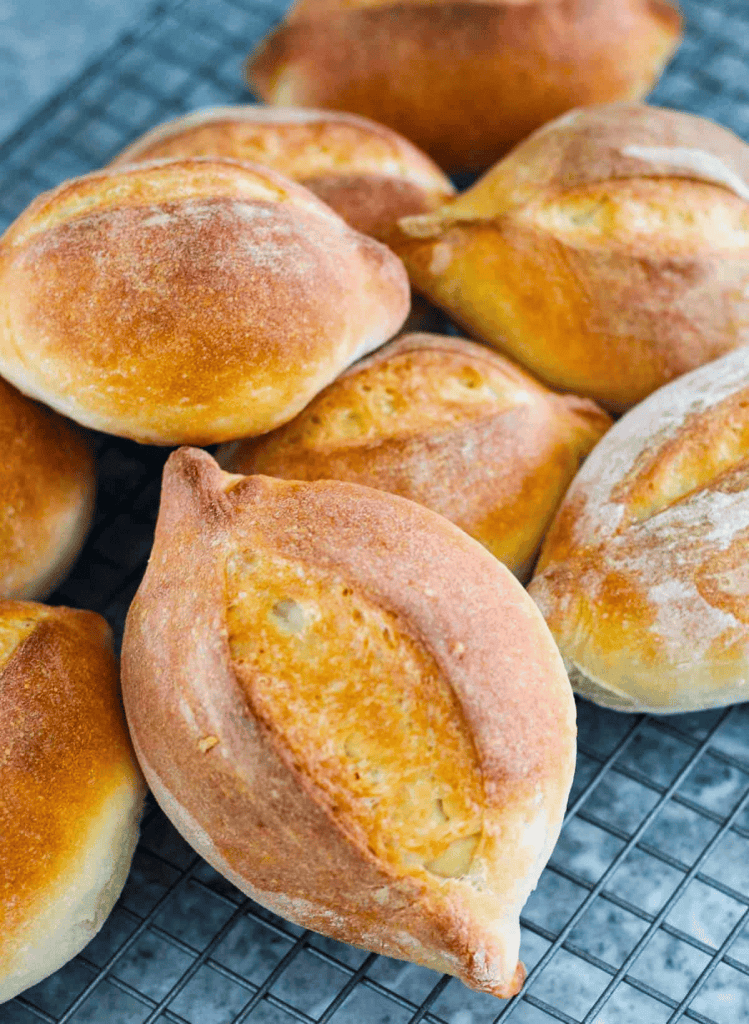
[
  {"x": 449, "y": 424},
  {"x": 71, "y": 790},
  {"x": 352, "y": 711},
  {"x": 609, "y": 253},
  {"x": 190, "y": 300},
  {"x": 643, "y": 576},
  {"x": 367, "y": 173},
  {"x": 464, "y": 81},
  {"x": 47, "y": 489}
]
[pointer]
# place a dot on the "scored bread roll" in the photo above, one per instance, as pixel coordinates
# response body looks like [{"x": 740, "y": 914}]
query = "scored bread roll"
[
  {"x": 71, "y": 790},
  {"x": 608, "y": 254},
  {"x": 464, "y": 81},
  {"x": 446, "y": 423},
  {"x": 352, "y": 711},
  {"x": 367, "y": 173},
  {"x": 643, "y": 576},
  {"x": 189, "y": 300},
  {"x": 47, "y": 490}
]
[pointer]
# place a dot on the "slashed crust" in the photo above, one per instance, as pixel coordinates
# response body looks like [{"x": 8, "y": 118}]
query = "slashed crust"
[
  {"x": 609, "y": 253},
  {"x": 255, "y": 793},
  {"x": 642, "y": 578},
  {"x": 449, "y": 424},
  {"x": 368, "y": 174}
]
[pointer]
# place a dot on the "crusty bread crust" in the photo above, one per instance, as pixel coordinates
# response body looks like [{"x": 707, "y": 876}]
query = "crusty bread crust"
[
  {"x": 190, "y": 300},
  {"x": 643, "y": 577},
  {"x": 609, "y": 253},
  {"x": 449, "y": 424},
  {"x": 465, "y": 81},
  {"x": 368, "y": 174},
  {"x": 72, "y": 792},
  {"x": 254, "y": 794},
  {"x": 47, "y": 489}
]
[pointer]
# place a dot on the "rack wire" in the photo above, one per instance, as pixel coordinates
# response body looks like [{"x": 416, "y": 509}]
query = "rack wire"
[{"x": 642, "y": 914}]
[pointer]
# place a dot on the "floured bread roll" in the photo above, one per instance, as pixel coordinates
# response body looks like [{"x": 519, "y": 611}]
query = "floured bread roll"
[
  {"x": 71, "y": 792},
  {"x": 367, "y": 173},
  {"x": 352, "y": 711},
  {"x": 47, "y": 489},
  {"x": 643, "y": 577},
  {"x": 465, "y": 81},
  {"x": 446, "y": 423},
  {"x": 192, "y": 300},
  {"x": 609, "y": 253}
]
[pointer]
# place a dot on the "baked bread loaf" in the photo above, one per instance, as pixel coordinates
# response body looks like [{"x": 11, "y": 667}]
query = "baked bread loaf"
[
  {"x": 643, "y": 576},
  {"x": 352, "y": 711},
  {"x": 72, "y": 792},
  {"x": 47, "y": 490},
  {"x": 465, "y": 81},
  {"x": 188, "y": 300},
  {"x": 609, "y": 253},
  {"x": 367, "y": 173},
  {"x": 449, "y": 424}
]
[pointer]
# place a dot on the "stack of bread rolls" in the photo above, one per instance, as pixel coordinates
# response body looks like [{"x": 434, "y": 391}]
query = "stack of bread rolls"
[{"x": 336, "y": 691}]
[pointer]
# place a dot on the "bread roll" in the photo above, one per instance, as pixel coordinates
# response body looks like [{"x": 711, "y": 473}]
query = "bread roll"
[
  {"x": 643, "y": 577},
  {"x": 352, "y": 711},
  {"x": 609, "y": 253},
  {"x": 446, "y": 423},
  {"x": 47, "y": 489},
  {"x": 71, "y": 791},
  {"x": 191, "y": 300},
  {"x": 464, "y": 81},
  {"x": 368, "y": 174}
]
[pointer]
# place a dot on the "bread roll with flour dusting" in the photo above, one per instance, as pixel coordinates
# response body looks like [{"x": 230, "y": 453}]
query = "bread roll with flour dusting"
[
  {"x": 352, "y": 711},
  {"x": 608, "y": 253},
  {"x": 189, "y": 300},
  {"x": 449, "y": 424},
  {"x": 71, "y": 792},
  {"x": 643, "y": 577},
  {"x": 367, "y": 173}
]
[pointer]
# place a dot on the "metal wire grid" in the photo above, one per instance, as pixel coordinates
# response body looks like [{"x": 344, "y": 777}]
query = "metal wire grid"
[{"x": 643, "y": 912}]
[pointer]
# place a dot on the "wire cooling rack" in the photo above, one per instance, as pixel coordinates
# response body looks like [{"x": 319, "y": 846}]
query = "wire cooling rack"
[{"x": 642, "y": 916}]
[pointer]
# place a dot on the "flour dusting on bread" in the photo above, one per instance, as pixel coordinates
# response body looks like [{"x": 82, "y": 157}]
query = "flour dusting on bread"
[{"x": 642, "y": 574}]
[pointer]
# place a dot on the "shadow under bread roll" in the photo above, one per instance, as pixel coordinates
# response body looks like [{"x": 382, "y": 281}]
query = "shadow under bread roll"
[
  {"x": 47, "y": 492},
  {"x": 644, "y": 577},
  {"x": 368, "y": 174},
  {"x": 465, "y": 81},
  {"x": 608, "y": 253},
  {"x": 352, "y": 711},
  {"x": 71, "y": 793},
  {"x": 449, "y": 424},
  {"x": 190, "y": 300}
]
